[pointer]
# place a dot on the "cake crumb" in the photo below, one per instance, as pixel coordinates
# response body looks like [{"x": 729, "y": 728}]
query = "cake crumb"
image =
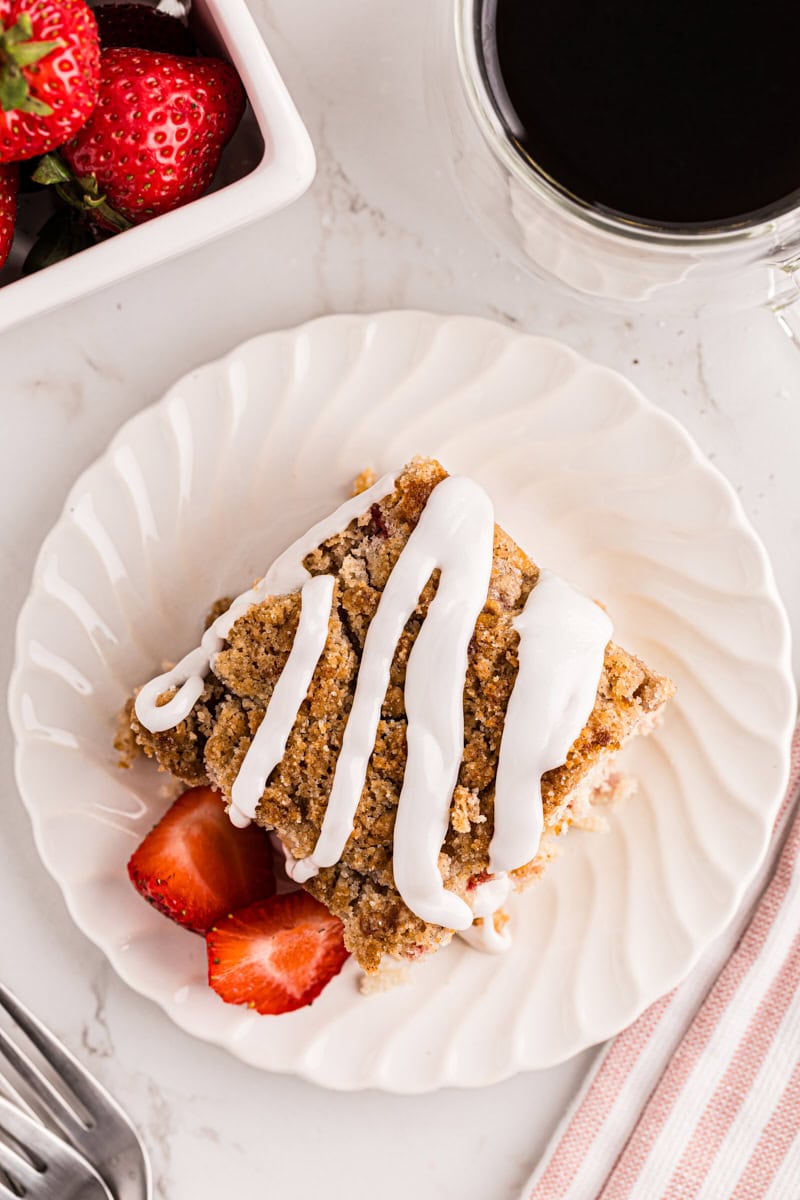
[
  {"x": 125, "y": 742},
  {"x": 364, "y": 481},
  {"x": 500, "y": 919},
  {"x": 615, "y": 789},
  {"x": 466, "y": 809}
]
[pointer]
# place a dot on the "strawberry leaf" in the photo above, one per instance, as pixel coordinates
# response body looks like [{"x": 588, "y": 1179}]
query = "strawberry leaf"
[
  {"x": 17, "y": 51},
  {"x": 21, "y": 32},
  {"x": 27, "y": 53},
  {"x": 52, "y": 169},
  {"x": 81, "y": 193},
  {"x": 62, "y": 235},
  {"x": 32, "y": 105},
  {"x": 13, "y": 88}
]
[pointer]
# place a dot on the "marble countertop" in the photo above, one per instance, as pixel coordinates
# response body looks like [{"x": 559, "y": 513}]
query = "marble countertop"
[{"x": 381, "y": 228}]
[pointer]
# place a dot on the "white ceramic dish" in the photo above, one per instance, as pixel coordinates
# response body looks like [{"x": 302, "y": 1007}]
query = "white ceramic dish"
[
  {"x": 198, "y": 493},
  {"x": 283, "y": 169}
]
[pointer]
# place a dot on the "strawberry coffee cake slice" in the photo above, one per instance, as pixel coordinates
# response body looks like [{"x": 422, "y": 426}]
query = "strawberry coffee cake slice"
[{"x": 411, "y": 706}]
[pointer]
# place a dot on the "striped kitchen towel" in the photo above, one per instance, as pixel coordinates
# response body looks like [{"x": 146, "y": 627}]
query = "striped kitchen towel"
[{"x": 700, "y": 1098}]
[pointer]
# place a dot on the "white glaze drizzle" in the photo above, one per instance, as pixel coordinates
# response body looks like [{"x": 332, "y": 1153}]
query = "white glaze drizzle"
[
  {"x": 287, "y": 574},
  {"x": 486, "y": 937},
  {"x": 491, "y": 895},
  {"x": 455, "y": 534},
  {"x": 487, "y": 899},
  {"x": 269, "y": 744},
  {"x": 562, "y": 640}
]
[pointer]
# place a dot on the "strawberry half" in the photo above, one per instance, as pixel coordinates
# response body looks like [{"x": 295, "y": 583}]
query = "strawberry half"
[
  {"x": 155, "y": 139},
  {"x": 49, "y": 68},
  {"x": 8, "y": 208},
  {"x": 275, "y": 956},
  {"x": 195, "y": 866}
]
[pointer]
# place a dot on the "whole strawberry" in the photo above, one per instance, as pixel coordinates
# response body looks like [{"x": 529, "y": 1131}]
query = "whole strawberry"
[
  {"x": 49, "y": 66},
  {"x": 8, "y": 208},
  {"x": 156, "y": 136}
]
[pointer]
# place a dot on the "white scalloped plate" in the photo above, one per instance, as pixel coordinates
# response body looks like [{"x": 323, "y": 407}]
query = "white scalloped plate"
[{"x": 199, "y": 492}]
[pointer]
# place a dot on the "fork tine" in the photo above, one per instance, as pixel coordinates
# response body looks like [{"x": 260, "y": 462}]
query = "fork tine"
[
  {"x": 77, "y": 1079},
  {"x": 27, "y": 1132},
  {"x": 97, "y": 1133},
  {"x": 55, "y": 1170},
  {"x": 7, "y": 1191},
  {"x": 8, "y": 1091},
  {"x": 38, "y": 1084},
  {"x": 8, "y": 1187}
]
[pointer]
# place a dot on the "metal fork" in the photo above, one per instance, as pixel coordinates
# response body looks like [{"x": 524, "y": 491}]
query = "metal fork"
[
  {"x": 103, "y": 1134},
  {"x": 41, "y": 1164}
]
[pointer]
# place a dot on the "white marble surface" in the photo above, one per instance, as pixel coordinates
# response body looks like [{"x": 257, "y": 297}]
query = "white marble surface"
[{"x": 381, "y": 228}]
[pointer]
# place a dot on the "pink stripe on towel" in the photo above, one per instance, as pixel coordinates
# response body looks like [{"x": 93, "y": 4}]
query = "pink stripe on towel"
[{"x": 700, "y": 1098}]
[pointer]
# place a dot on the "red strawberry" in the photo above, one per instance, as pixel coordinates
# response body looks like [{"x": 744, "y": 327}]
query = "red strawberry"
[
  {"x": 275, "y": 956},
  {"x": 49, "y": 67},
  {"x": 8, "y": 208},
  {"x": 143, "y": 27},
  {"x": 195, "y": 866},
  {"x": 156, "y": 136}
]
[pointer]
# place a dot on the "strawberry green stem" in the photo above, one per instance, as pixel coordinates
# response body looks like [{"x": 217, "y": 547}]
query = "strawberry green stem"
[
  {"x": 17, "y": 51},
  {"x": 81, "y": 192}
]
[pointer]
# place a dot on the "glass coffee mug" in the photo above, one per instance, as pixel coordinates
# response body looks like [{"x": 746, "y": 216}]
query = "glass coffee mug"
[{"x": 597, "y": 255}]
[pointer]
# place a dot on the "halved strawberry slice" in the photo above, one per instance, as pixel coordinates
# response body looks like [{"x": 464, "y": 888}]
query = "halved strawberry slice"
[
  {"x": 275, "y": 956},
  {"x": 195, "y": 866}
]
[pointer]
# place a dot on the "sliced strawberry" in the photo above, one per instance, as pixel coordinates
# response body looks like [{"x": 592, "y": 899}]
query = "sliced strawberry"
[
  {"x": 195, "y": 866},
  {"x": 275, "y": 956}
]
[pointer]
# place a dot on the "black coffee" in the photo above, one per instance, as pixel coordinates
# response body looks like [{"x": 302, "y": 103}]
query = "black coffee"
[{"x": 677, "y": 112}]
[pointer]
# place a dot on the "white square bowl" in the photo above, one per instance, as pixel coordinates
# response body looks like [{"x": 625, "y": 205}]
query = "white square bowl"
[{"x": 283, "y": 170}]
